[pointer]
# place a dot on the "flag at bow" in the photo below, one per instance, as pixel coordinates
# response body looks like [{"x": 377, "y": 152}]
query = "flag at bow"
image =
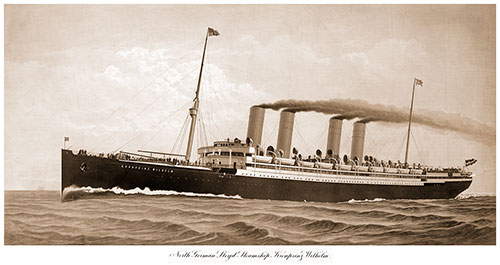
[
  {"x": 66, "y": 138},
  {"x": 213, "y": 32},
  {"x": 419, "y": 82},
  {"x": 470, "y": 162}
]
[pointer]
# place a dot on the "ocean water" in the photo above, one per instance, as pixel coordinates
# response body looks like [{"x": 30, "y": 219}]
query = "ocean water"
[{"x": 116, "y": 217}]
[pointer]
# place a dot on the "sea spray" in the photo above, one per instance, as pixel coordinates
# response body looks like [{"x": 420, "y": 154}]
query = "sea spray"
[{"x": 74, "y": 192}]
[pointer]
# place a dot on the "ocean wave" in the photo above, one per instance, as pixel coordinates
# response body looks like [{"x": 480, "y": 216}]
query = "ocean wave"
[
  {"x": 116, "y": 218},
  {"x": 140, "y": 225},
  {"x": 374, "y": 214},
  {"x": 73, "y": 192},
  {"x": 414, "y": 218},
  {"x": 248, "y": 230},
  {"x": 322, "y": 226},
  {"x": 307, "y": 225},
  {"x": 277, "y": 220},
  {"x": 483, "y": 222},
  {"x": 315, "y": 209},
  {"x": 38, "y": 216},
  {"x": 200, "y": 215},
  {"x": 55, "y": 238},
  {"x": 415, "y": 209},
  {"x": 243, "y": 233}
]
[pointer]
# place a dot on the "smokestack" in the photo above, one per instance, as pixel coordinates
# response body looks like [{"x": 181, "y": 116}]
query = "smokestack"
[
  {"x": 256, "y": 124},
  {"x": 285, "y": 132},
  {"x": 334, "y": 133},
  {"x": 358, "y": 140}
]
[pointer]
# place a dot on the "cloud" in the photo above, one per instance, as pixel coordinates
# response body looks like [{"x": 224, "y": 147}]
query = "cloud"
[
  {"x": 113, "y": 73},
  {"x": 146, "y": 60},
  {"x": 172, "y": 84}
]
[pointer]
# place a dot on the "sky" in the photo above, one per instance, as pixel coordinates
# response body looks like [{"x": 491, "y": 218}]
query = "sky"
[{"x": 123, "y": 77}]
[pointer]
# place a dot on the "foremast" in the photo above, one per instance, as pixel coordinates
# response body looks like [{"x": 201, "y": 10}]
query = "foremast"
[
  {"x": 416, "y": 82},
  {"x": 193, "y": 112}
]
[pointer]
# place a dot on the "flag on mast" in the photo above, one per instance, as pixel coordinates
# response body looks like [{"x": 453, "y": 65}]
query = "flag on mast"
[
  {"x": 213, "y": 32},
  {"x": 66, "y": 139},
  {"x": 419, "y": 82},
  {"x": 470, "y": 162}
]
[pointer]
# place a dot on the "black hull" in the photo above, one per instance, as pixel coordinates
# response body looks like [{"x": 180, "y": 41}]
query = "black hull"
[{"x": 98, "y": 172}]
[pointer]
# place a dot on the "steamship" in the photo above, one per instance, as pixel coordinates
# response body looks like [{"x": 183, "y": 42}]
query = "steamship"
[{"x": 234, "y": 167}]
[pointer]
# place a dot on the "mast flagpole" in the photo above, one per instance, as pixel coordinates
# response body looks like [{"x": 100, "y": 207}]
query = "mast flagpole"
[
  {"x": 194, "y": 110},
  {"x": 409, "y": 122}
]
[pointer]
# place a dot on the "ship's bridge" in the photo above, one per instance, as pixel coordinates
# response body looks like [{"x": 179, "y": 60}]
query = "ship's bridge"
[{"x": 226, "y": 154}]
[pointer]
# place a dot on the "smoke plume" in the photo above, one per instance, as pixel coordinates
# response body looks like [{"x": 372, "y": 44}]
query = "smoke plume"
[{"x": 365, "y": 112}]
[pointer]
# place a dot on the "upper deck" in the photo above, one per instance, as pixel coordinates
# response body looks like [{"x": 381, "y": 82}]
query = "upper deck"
[
  {"x": 226, "y": 154},
  {"x": 238, "y": 155}
]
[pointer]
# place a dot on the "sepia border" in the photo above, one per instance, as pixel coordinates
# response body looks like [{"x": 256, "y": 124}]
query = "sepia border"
[{"x": 160, "y": 254}]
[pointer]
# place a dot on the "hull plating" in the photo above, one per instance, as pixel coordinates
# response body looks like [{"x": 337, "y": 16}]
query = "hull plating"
[{"x": 97, "y": 172}]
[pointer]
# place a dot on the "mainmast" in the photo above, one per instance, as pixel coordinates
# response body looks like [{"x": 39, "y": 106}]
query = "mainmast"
[
  {"x": 193, "y": 112},
  {"x": 419, "y": 83}
]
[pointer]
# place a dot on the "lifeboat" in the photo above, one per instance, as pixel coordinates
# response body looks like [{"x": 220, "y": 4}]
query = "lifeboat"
[
  {"x": 416, "y": 171},
  {"x": 285, "y": 161},
  {"x": 263, "y": 159},
  {"x": 361, "y": 168},
  {"x": 307, "y": 164},
  {"x": 391, "y": 170},
  {"x": 324, "y": 165},
  {"x": 345, "y": 167}
]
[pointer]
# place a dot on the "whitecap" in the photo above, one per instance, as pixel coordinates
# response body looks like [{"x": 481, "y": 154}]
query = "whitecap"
[
  {"x": 145, "y": 191},
  {"x": 366, "y": 200}
]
